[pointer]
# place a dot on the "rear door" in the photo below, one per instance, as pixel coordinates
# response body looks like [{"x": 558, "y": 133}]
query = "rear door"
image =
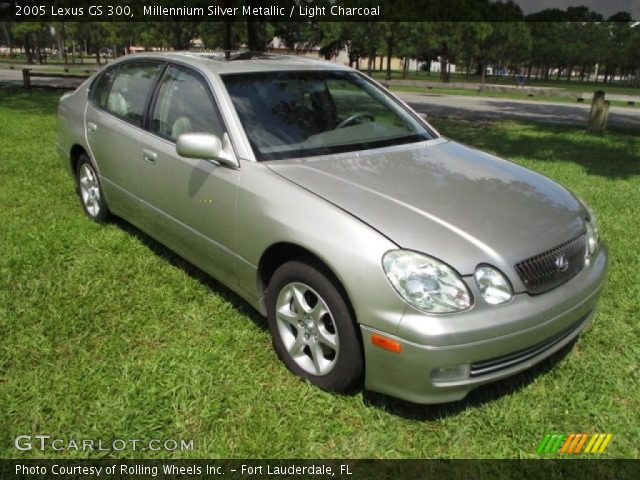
[
  {"x": 190, "y": 205},
  {"x": 113, "y": 124}
]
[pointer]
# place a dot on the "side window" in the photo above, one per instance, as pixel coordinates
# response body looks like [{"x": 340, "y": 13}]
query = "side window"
[
  {"x": 100, "y": 88},
  {"x": 130, "y": 89},
  {"x": 183, "y": 106}
]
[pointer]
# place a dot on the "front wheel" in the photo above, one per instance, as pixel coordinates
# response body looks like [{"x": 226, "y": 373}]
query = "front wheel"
[
  {"x": 90, "y": 191},
  {"x": 312, "y": 329}
]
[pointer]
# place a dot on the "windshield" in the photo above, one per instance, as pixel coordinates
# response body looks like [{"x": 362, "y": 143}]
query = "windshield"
[{"x": 299, "y": 114}]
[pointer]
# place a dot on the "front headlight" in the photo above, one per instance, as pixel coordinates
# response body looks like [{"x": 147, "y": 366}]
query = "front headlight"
[
  {"x": 426, "y": 283},
  {"x": 493, "y": 285}
]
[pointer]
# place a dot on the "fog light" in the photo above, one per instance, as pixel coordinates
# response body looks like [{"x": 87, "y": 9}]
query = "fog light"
[
  {"x": 448, "y": 374},
  {"x": 592, "y": 236}
]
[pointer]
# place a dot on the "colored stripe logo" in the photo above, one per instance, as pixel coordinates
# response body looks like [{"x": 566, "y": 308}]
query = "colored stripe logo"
[{"x": 574, "y": 443}]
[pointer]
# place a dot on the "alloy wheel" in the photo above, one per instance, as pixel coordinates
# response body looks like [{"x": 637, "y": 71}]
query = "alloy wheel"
[
  {"x": 307, "y": 328},
  {"x": 89, "y": 190}
]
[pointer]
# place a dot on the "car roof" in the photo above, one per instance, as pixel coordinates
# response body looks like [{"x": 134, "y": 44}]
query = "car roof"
[{"x": 241, "y": 62}]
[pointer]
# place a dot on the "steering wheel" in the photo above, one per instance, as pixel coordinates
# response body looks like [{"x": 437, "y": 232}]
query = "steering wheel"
[{"x": 353, "y": 118}]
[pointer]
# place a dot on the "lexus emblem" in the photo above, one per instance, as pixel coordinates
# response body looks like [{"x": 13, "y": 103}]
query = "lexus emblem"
[{"x": 561, "y": 262}]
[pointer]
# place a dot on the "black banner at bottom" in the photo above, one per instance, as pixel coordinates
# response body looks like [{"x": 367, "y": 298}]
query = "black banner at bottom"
[{"x": 583, "y": 469}]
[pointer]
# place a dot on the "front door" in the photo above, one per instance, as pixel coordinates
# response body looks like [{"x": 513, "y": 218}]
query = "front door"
[{"x": 190, "y": 205}]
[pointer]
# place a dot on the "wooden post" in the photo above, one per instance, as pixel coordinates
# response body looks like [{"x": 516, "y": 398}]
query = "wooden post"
[
  {"x": 599, "y": 114},
  {"x": 26, "y": 79}
]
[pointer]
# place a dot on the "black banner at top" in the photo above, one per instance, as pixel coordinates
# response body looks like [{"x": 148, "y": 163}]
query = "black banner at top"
[{"x": 306, "y": 11}]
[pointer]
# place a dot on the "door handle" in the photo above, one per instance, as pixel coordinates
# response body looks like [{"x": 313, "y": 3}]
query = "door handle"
[
  {"x": 91, "y": 127},
  {"x": 149, "y": 156}
]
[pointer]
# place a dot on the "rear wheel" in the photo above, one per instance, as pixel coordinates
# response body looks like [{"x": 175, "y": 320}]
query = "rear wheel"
[
  {"x": 90, "y": 191},
  {"x": 312, "y": 328}
]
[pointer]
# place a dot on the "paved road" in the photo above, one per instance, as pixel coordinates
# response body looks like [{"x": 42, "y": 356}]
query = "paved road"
[{"x": 499, "y": 108}]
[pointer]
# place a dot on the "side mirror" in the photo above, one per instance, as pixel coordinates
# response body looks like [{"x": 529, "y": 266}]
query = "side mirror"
[{"x": 206, "y": 146}]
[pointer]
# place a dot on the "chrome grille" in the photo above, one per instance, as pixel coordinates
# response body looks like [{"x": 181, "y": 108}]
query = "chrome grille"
[{"x": 553, "y": 267}]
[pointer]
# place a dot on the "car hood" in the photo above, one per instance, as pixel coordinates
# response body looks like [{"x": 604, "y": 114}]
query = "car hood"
[{"x": 450, "y": 201}]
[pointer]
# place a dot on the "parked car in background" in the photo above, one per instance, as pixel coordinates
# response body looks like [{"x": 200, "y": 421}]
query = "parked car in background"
[{"x": 379, "y": 250}]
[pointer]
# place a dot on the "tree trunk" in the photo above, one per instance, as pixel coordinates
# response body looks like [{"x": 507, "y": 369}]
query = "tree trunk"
[
  {"x": 405, "y": 71},
  {"x": 27, "y": 49},
  {"x": 598, "y": 116},
  {"x": 226, "y": 42},
  {"x": 482, "y": 75},
  {"x": 38, "y": 50},
  {"x": 64, "y": 48},
  {"x": 256, "y": 36},
  {"x": 444, "y": 74},
  {"x": 389, "y": 55},
  {"x": 381, "y": 62},
  {"x": 7, "y": 38}
]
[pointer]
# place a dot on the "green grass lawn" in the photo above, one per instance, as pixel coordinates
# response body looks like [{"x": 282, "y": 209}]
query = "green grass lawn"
[{"x": 105, "y": 334}]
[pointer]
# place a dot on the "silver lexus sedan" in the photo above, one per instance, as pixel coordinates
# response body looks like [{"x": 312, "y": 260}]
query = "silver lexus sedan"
[{"x": 379, "y": 251}]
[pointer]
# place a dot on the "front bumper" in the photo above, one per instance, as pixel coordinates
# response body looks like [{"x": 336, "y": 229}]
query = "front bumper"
[{"x": 444, "y": 357}]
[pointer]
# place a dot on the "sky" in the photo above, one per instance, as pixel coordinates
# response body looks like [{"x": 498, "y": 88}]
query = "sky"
[{"x": 604, "y": 7}]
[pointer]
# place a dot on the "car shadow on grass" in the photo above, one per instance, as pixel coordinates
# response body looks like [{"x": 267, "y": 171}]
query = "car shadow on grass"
[
  {"x": 217, "y": 288},
  {"x": 476, "y": 398}
]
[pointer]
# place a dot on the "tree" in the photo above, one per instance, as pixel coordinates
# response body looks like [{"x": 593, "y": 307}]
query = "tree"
[
  {"x": 299, "y": 36},
  {"x": 620, "y": 34},
  {"x": 8, "y": 35},
  {"x": 474, "y": 45},
  {"x": 425, "y": 43},
  {"x": 632, "y": 54},
  {"x": 32, "y": 36},
  {"x": 448, "y": 36}
]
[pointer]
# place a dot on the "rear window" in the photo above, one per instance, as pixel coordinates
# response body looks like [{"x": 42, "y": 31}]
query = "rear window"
[
  {"x": 100, "y": 88},
  {"x": 130, "y": 89}
]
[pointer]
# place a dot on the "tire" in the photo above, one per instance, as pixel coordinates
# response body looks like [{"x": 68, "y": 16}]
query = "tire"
[
  {"x": 90, "y": 192},
  {"x": 312, "y": 329}
]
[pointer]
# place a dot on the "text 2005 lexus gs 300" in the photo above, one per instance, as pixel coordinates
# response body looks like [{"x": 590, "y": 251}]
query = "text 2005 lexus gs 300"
[{"x": 378, "y": 250}]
